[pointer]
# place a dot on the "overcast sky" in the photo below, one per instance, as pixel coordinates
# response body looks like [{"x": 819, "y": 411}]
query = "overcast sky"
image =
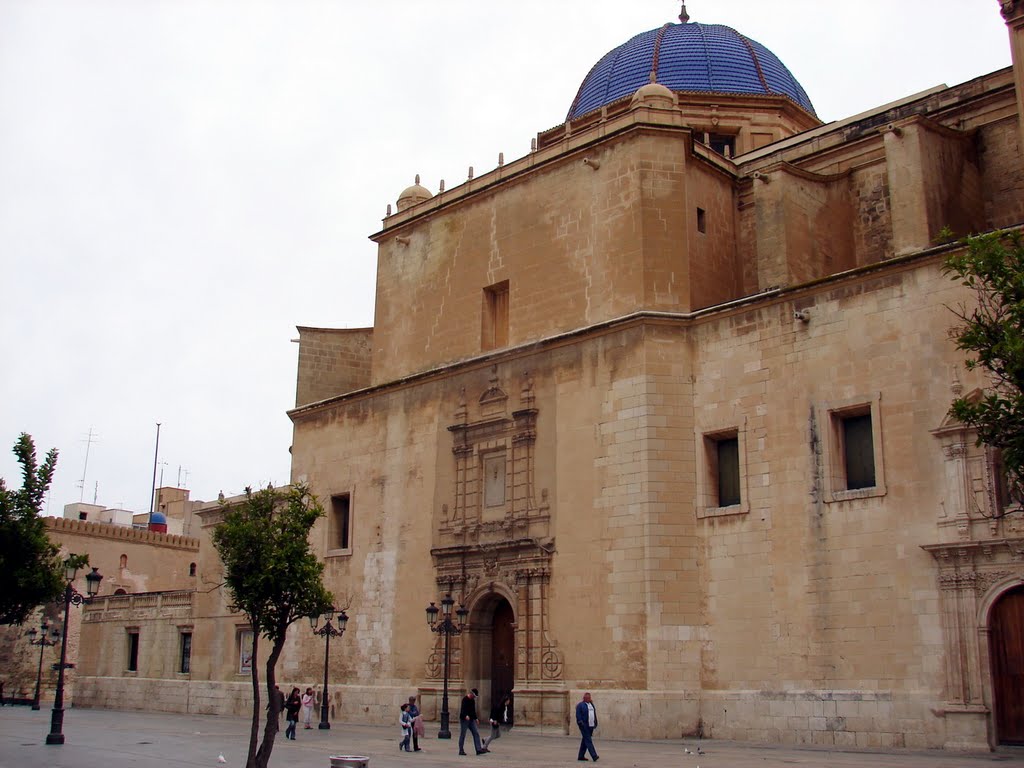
[{"x": 184, "y": 182}]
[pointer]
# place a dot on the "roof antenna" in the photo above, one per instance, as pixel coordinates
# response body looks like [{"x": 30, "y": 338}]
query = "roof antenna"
[{"x": 683, "y": 15}]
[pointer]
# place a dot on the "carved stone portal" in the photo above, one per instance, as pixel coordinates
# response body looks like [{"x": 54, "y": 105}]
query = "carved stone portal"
[
  {"x": 979, "y": 556},
  {"x": 493, "y": 542}
]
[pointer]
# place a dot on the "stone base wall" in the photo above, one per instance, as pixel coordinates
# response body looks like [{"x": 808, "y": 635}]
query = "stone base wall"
[
  {"x": 856, "y": 719},
  {"x": 372, "y": 705},
  {"x": 859, "y": 719}
]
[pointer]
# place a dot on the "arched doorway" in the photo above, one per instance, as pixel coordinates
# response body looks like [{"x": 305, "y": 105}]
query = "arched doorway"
[
  {"x": 491, "y": 655},
  {"x": 503, "y": 651},
  {"x": 1006, "y": 649}
]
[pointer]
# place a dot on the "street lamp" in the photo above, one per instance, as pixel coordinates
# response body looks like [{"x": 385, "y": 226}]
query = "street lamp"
[
  {"x": 447, "y": 628},
  {"x": 42, "y": 642},
  {"x": 71, "y": 595},
  {"x": 328, "y": 630}
]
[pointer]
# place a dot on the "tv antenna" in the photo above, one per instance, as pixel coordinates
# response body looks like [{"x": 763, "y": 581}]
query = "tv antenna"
[{"x": 89, "y": 440}]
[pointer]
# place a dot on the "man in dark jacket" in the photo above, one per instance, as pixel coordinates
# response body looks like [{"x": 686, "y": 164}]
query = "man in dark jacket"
[
  {"x": 586, "y": 720},
  {"x": 468, "y": 722}
]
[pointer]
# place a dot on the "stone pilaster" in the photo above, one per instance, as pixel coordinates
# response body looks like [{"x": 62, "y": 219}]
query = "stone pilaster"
[{"x": 1013, "y": 14}]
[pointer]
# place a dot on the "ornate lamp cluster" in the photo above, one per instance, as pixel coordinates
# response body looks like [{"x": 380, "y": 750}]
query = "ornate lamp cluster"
[
  {"x": 327, "y": 631},
  {"x": 447, "y": 628},
  {"x": 43, "y": 642}
]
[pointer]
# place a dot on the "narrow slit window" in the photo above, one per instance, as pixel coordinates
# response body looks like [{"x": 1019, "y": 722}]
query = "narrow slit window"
[
  {"x": 185, "y": 661},
  {"x": 494, "y": 330},
  {"x": 727, "y": 460},
  {"x": 341, "y": 521},
  {"x": 133, "y": 651},
  {"x": 701, "y": 221}
]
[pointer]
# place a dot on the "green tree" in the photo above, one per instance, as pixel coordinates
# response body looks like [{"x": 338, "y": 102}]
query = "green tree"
[
  {"x": 28, "y": 559},
  {"x": 274, "y": 579},
  {"x": 992, "y": 332}
]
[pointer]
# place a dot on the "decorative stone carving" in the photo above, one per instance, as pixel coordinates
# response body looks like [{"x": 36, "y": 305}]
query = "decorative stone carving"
[
  {"x": 985, "y": 579},
  {"x": 494, "y": 542}
]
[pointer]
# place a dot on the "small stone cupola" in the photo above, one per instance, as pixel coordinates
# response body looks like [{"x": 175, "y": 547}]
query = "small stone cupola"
[{"x": 413, "y": 195}]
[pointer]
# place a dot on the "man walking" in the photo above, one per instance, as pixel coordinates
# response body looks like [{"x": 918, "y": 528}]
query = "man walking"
[
  {"x": 468, "y": 722},
  {"x": 586, "y": 719}
]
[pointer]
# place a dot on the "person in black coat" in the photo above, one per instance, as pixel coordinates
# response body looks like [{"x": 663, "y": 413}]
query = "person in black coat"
[
  {"x": 292, "y": 705},
  {"x": 501, "y": 714},
  {"x": 468, "y": 722}
]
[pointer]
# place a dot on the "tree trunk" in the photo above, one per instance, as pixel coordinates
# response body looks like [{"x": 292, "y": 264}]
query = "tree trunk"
[
  {"x": 274, "y": 710},
  {"x": 254, "y": 730}
]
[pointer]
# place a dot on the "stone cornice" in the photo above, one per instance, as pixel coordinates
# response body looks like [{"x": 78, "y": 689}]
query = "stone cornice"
[{"x": 634, "y": 319}]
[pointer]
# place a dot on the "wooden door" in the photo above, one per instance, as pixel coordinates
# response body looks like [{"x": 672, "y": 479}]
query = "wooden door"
[
  {"x": 503, "y": 655},
  {"x": 1006, "y": 644}
]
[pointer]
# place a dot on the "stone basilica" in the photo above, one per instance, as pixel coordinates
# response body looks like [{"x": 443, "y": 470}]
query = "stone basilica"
[{"x": 663, "y": 404}]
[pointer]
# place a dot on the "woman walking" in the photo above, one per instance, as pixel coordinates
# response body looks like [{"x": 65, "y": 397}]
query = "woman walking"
[
  {"x": 292, "y": 706},
  {"x": 406, "y": 722},
  {"x": 307, "y": 708}
]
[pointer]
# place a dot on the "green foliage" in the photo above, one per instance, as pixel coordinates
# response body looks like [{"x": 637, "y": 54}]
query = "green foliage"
[
  {"x": 992, "y": 332},
  {"x": 273, "y": 578},
  {"x": 27, "y": 557}
]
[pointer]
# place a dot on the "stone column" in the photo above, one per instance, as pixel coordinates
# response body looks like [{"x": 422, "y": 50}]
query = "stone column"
[{"x": 1013, "y": 14}]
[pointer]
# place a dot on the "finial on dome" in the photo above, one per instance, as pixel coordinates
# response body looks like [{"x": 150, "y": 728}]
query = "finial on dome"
[
  {"x": 653, "y": 77},
  {"x": 417, "y": 178},
  {"x": 683, "y": 15}
]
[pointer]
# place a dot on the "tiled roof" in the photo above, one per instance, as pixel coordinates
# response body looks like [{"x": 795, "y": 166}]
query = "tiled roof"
[{"x": 692, "y": 57}]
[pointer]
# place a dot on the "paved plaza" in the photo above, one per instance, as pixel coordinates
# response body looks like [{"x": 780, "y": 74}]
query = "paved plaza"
[{"x": 113, "y": 739}]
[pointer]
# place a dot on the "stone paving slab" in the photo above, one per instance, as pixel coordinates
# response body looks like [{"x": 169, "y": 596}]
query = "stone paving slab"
[{"x": 97, "y": 738}]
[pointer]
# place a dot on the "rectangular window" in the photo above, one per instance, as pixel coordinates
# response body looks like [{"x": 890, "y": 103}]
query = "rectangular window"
[
  {"x": 494, "y": 330},
  {"x": 185, "y": 659},
  {"x": 858, "y": 451},
  {"x": 245, "y": 651},
  {"x": 724, "y": 469},
  {"x": 340, "y": 525},
  {"x": 701, "y": 222},
  {"x": 133, "y": 650},
  {"x": 852, "y": 448}
]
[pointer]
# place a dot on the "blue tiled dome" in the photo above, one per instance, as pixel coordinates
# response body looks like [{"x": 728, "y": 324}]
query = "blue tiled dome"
[{"x": 703, "y": 58}]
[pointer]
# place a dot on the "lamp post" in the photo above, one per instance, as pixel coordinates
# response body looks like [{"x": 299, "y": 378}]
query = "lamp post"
[
  {"x": 71, "y": 595},
  {"x": 447, "y": 628},
  {"x": 327, "y": 631},
  {"x": 43, "y": 642}
]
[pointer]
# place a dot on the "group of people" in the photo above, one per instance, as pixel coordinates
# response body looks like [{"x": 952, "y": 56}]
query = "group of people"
[
  {"x": 501, "y": 715},
  {"x": 412, "y": 726},
  {"x": 411, "y": 720},
  {"x": 292, "y": 706}
]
